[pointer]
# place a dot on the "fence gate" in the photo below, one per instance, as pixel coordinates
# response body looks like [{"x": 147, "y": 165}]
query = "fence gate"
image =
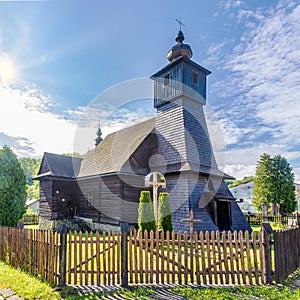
[
  {"x": 205, "y": 258},
  {"x": 93, "y": 258}
]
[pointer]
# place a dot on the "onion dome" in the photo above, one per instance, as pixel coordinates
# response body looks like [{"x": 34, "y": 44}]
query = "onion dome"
[{"x": 180, "y": 49}]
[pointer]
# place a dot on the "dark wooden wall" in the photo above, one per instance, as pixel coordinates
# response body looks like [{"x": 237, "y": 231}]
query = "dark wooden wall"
[{"x": 46, "y": 209}]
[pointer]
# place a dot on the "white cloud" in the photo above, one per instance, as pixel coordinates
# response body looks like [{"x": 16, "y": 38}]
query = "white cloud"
[
  {"x": 24, "y": 117},
  {"x": 262, "y": 89}
]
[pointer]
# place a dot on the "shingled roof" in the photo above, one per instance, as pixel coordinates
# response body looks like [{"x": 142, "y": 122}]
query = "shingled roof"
[
  {"x": 115, "y": 150},
  {"x": 59, "y": 166}
]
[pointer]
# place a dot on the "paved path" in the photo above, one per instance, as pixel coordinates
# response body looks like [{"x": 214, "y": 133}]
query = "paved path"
[{"x": 8, "y": 294}]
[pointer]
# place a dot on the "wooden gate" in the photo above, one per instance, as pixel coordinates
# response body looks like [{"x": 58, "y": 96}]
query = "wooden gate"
[
  {"x": 205, "y": 258},
  {"x": 93, "y": 258},
  {"x": 287, "y": 252}
]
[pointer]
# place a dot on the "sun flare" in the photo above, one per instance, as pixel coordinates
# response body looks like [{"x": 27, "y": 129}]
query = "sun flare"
[{"x": 8, "y": 70}]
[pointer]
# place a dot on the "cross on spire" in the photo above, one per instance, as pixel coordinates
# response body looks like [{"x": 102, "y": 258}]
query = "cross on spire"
[{"x": 180, "y": 23}]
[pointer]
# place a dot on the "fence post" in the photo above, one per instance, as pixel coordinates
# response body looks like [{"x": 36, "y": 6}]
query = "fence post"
[
  {"x": 267, "y": 263},
  {"x": 62, "y": 230},
  {"x": 124, "y": 254}
]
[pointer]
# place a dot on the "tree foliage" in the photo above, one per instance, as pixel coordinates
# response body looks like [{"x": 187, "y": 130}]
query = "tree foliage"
[
  {"x": 274, "y": 183},
  {"x": 146, "y": 218},
  {"x": 12, "y": 188},
  {"x": 233, "y": 183},
  {"x": 164, "y": 212},
  {"x": 31, "y": 167}
]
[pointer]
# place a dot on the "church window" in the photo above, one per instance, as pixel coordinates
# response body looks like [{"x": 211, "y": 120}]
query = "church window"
[
  {"x": 90, "y": 198},
  {"x": 195, "y": 78},
  {"x": 167, "y": 80}
]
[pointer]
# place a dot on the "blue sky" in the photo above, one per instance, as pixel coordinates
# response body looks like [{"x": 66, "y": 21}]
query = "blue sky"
[{"x": 56, "y": 57}]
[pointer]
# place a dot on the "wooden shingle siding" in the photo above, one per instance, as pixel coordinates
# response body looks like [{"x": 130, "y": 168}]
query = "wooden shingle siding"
[{"x": 46, "y": 205}]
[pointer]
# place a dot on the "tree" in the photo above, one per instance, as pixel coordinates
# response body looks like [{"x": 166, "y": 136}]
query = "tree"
[
  {"x": 31, "y": 167},
  {"x": 283, "y": 184},
  {"x": 164, "y": 212},
  {"x": 146, "y": 213},
  {"x": 12, "y": 188},
  {"x": 274, "y": 183}
]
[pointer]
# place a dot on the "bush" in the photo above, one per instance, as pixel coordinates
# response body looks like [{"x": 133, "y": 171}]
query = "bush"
[
  {"x": 146, "y": 213},
  {"x": 164, "y": 212}
]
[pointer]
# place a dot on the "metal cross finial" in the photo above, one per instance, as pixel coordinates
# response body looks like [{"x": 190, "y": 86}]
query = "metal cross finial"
[{"x": 180, "y": 23}]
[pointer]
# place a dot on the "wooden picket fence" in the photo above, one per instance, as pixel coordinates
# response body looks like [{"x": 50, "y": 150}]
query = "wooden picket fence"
[
  {"x": 205, "y": 258},
  {"x": 208, "y": 258},
  {"x": 35, "y": 251},
  {"x": 93, "y": 258},
  {"x": 258, "y": 218},
  {"x": 287, "y": 252}
]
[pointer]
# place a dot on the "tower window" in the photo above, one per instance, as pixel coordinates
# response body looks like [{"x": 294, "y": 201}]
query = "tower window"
[
  {"x": 195, "y": 78},
  {"x": 166, "y": 79}
]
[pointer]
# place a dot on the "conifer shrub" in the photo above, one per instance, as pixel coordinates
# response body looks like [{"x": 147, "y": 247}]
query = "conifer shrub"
[
  {"x": 146, "y": 218},
  {"x": 164, "y": 212}
]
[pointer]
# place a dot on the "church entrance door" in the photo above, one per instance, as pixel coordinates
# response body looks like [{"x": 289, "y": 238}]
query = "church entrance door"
[{"x": 223, "y": 215}]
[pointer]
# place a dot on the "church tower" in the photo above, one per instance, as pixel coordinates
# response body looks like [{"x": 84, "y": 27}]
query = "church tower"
[{"x": 185, "y": 153}]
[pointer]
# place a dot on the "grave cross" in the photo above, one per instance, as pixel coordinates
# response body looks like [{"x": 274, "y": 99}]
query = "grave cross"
[
  {"x": 191, "y": 220},
  {"x": 158, "y": 180}
]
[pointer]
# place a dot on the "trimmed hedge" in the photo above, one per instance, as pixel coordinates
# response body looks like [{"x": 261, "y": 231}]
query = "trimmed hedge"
[
  {"x": 146, "y": 218},
  {"x": 164, "y": 212}
]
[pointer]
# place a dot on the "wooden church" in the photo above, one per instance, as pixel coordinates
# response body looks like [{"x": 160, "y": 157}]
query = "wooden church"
[{"x": 104, "y": 186}]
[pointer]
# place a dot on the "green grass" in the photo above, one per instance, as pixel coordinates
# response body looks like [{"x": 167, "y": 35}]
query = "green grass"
[
  {"x": 24, "y": 284},
  {"x": 29, "y": 287},
  {"x": 34, "y": 226}
]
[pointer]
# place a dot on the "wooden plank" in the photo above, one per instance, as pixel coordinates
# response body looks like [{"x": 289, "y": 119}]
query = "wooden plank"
[
  {"x": 242, "y": 256},
  {"x": 162, "y": 260},
  {"x": 109, "y": 257},
  {"x": 261, "y": 255},
  {"x": 80, "y": 259},
  {"x": 255, "y": 261},
  {"x": 75, "y": 256},
  {"x": 168, "y": 255},
  {"x": 186, "y": 258},
  {"x": 146, "y": 256},
  {"x": 248, "y": 257},
  {"x": 157, "y": 255},
  {"x": 151, "y": 255},
  {"x": 135, "y": 257},
  {"x": 208, "y": 255},
  {"x": 179, "y": 257},
  {"x": 119, "y": 258},
  {"x": 173, "y": 256},
  {"x": 197, "y": 258},
  {"x": 140, "y": 259},
  {"x": 86, "y": 267},
  {"x": 130, "y": 257},
  {"x": 237, "y": 262},
  {"x": 57, "y": 263},
  {"x": 203, "y": 262},
  {"x": 225, "y": 257},
  {"x": 91, "y": 238},
  {"x": 218, "y": 239},
  {"x": 113, "y": 258},
  {"x": 214, "y": 258},
  {"x": 104, "y": 259},
  {"x": 98, "y": 263},
  {"x": 231, "y": 258},
  {"x": 191, "y": 242},
  {"x": 70, "y": 257}
]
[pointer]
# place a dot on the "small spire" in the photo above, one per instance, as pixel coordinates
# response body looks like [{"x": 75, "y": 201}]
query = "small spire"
[
  {"x": 98, "y": 139},
  {"x": 180, "y": 49},
  {"x": 180, "y": 37}
]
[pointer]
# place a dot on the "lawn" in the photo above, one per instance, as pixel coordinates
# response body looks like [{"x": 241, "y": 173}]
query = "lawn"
[{"x": 29, "y": 287}]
